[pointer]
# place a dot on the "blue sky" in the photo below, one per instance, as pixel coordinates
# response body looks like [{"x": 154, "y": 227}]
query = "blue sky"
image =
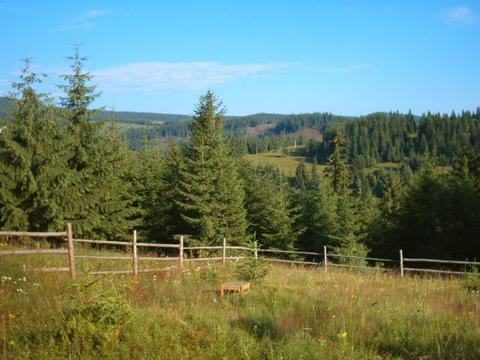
[{"x": 344, "y": 57}]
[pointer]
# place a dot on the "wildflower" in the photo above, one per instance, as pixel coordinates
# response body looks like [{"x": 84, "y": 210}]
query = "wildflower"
[{"x": 342, "y": 335}]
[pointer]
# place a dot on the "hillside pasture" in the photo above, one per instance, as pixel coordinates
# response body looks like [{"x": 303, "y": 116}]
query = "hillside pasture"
[{"x": 294, "y": 313}]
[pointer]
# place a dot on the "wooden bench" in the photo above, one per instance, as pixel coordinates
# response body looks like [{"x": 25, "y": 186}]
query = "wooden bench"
[{"x": 237, "y": 286}]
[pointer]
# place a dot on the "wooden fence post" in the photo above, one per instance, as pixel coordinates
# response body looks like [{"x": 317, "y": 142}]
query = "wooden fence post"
[
  {"x": 255, "y": 250},
  {"x": 325, "y": 259},
  {"x": 401, "y": 263},
  {"x": 134, "y": 253},
  {"x": 224, "y": 251},
  {"x": 71, "y": 255},
  {"x": 180, "y": 253}
]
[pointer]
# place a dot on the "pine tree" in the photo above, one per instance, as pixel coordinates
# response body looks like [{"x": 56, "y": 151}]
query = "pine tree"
[
  {"x": 346, "y": 237},
  {"x": 31, "y": 162},
  {"x": 270, "y": 212},
  {"x": 211, "y": 192},
  {"x": 148, "y": 184},
  {"x": 318, "y": 214},
  {"x": 337, "y": 169},
  {"x": 166, "y": 194},
  {"x": 416, "y": 221},
  {"x": 100, "y": 201}
]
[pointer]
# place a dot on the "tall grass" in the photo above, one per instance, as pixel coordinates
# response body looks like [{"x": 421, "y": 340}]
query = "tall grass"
[{"x": 295, "y": 313}]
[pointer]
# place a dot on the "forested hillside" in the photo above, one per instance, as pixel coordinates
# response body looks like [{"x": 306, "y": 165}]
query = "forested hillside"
[
  {"x": 58, "y": 165},
  {"x": 262, "y": 132},
  {"x": 396, "y": 137}
]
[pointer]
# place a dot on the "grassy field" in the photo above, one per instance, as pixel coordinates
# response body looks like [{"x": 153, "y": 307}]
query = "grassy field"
[
  {"x": 295, "y": 313},
  {"x": 286, "y": 163}
]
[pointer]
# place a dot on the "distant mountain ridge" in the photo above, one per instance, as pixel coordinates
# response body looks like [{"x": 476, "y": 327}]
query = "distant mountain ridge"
[{"x": 141, "y": 118}]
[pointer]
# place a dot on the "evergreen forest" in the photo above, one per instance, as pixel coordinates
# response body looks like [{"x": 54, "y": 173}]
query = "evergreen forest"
[{"x": 62, "y": 161}]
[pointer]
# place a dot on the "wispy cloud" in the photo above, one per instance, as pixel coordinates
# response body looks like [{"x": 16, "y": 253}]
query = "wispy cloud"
[
  {"x": 92, "y": 14},
  {"x": 83, "y": 21},
  {"x": 461, "y": 15},
  {"x": 151, "y": 77},
  {"x": 339, "y": 69}
]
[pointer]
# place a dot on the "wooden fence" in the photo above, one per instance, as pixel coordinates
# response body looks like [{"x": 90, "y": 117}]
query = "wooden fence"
[{"x": 323, "y": 259}]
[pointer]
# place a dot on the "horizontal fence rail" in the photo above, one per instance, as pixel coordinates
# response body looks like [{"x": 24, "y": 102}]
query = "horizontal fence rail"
[
  {"x": 289, "y": 252},
  {"x": 291, "y": 261},
  {"x": 443, "y": 261},
  {"x": 131, "y": 254},
  {"x": 203, "y": 248},
  {"x": 153, "y": 245},
  {"x": 32, "y": 234},
  {"x": 35, "y": 251},
  {"x": 104, "y": 242}
]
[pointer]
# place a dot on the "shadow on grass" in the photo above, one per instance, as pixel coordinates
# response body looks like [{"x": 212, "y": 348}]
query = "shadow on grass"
[{"x": 259, "y": 326}]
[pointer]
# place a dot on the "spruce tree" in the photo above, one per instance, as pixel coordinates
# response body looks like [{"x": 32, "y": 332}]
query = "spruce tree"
[
  {"x": 211, "y": 192},
  {"x": 160, "y": 193},
  {"x": 346, "y": 237},
  {"x": 318, "y": 214},
  {"x": 100, "y": 201},
  {"x": 32, "y": 160},
  {"x": 337, "y": 169},
  {"x": 270, "y": 212}
]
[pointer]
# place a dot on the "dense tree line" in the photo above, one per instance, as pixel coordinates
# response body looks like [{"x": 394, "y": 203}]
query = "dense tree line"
[
  {"x": 57, "y": 165},
  {"x": 283, "y": 130},
  {"x": 395, "y": 137}
]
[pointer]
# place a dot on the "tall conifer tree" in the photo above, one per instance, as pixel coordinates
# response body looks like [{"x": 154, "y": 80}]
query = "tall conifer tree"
[
  {"x": 100, "y": 201},
  {"x": 32, "y": 162},
  {"x": 211, "y": 192}
]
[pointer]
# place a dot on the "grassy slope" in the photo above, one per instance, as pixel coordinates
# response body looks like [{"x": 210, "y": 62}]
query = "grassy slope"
[
  {"x": 295, "y": 314},
  {"x": 286, "y": 163}
]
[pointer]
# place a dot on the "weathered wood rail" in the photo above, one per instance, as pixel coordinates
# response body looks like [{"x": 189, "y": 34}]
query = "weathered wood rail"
[{"x": 319, "y": 259}]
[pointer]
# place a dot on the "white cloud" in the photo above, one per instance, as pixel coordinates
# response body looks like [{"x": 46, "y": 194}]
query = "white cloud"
[
  {"x": 151, "y": 77},
  {"x": 92, "y": 14},
  {"x": 462, "y": 15},
  {"x": 83, "y": 21}
]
